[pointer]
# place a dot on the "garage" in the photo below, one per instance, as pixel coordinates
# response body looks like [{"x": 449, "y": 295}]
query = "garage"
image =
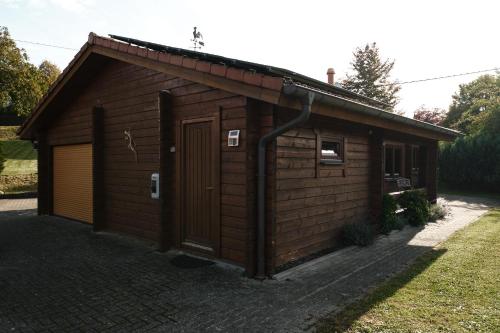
[{"x": 72, "y": 165}]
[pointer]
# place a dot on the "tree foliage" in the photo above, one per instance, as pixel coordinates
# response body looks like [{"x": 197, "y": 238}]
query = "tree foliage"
[
  {"x": 21, "y": 83},
  {"x": 371, "y": 76},
  {"x": 472, "y": 162},
  {"x": 49, "y": 73},
  {"x": 476, "y": 106},
  {"x": 430, "y": 115}
]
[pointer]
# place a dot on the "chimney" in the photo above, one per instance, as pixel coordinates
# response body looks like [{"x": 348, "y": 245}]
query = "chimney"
[{"x": 331, "y": 73}]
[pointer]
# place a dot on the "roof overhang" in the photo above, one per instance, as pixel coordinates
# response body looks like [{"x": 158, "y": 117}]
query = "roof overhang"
[
  {"x": 242, "y": 80},
  {"x": 238, "y": 81},
  {"x": 331, "y": 105}
]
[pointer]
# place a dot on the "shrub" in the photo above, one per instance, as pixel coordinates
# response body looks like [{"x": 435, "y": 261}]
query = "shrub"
[
  {"x": 416, "y": 207},
  {"x": 357, "y": 234},
  {"x": 437, "y": 212},
  {"x": 401, "y": 221},
  {"x": 388, "y": 218}
]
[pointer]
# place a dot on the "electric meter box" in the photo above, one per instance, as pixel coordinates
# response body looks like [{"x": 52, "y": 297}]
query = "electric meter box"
[
  {"x": 233, "y": 138},
  {"x": 155, "y": 185}
]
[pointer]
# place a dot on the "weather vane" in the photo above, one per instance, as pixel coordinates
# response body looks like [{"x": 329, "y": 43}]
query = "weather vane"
[{"x": 197, "y": 43}]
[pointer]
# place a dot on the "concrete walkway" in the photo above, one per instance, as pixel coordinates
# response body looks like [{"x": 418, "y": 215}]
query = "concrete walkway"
[{"x": 56, "y": 275}]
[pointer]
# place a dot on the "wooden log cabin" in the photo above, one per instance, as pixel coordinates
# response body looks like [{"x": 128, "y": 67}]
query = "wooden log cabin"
[{"x": 219, "y": 157}]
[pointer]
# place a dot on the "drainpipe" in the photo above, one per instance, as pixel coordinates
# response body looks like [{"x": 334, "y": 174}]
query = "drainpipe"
[{"x": 307, "y": 101}]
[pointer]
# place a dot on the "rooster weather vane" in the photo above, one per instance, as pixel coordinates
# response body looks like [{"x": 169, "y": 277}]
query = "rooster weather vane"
[{"x": 197, "y": 43}]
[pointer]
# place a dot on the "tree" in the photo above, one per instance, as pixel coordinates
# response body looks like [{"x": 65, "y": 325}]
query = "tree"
[
  {"x": 21, "y": 83},
  {"x": 48, "y": 74},
  {"x": 476, "y": 106},
  {"x": 371, "y": 76},
  {"x": 19, "y": 88},
  {"x": 430, "y": 115}
]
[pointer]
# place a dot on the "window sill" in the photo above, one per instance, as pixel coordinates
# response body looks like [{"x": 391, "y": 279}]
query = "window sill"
[{"x": 328, "y": 162}]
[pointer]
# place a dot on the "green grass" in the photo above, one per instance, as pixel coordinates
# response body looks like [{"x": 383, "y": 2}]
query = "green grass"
[
  {"x": 455, "y": 288},
  {"x": 19, "y": 157}
]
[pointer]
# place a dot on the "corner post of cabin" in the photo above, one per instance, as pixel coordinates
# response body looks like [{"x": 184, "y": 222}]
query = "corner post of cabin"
[
  {"x": 376, "y": 174},
  {"x": 98, "y": 168},
  {"x": 431, "y": 181},
  {"x": 167, "y": 170},
  {"x": 43, "y": 175}
]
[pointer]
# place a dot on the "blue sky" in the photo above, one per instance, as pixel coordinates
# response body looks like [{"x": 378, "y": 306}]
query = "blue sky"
[{"x": 426, "y": 38}]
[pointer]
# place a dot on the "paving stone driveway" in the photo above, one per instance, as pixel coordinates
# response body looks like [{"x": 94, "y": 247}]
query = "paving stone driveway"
[{"x": 56, "y": 275}]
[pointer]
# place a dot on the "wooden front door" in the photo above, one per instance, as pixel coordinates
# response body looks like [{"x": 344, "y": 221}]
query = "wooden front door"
[{"x": 199, "y": 184}]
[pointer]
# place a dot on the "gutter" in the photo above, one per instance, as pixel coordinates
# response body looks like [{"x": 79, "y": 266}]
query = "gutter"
[
  {"x": 307, "y": 100},
  {"x": 300, "y": 90}
]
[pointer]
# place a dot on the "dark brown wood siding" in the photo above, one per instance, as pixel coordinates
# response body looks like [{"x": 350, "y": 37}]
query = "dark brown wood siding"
[
  {"x": 129, "y": 97},
  {"x": 192, "y": 100},
  {"x": 314, "y": 201}
]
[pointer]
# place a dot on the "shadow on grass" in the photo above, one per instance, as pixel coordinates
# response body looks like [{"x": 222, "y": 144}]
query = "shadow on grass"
[{"x": 344, "y": 319}]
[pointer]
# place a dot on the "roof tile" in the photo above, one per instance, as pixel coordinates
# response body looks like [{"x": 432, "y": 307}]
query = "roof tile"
[
  {"x": 153, "y": 55},
  {"x": 203, "y": 66},
  {"x": 253, "y": 78},
  {"x": 219, "y": 70},
  {"x": 164, "y": 57},
  {"x": 114, "y": 45},
  {"x": 189, "y": 63},
  {"x": 142, "y": 52},
  {"x": 176, "y": 60},
  {"x": 123, "y": 47},
  {"x": 271, "y": 82},
  {"x": 132, "y": 49},
  {"x": 235, "y": 74}
]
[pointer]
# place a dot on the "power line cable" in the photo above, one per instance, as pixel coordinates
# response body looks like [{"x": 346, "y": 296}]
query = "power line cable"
[
  {"x": 388, "y": 84},
  {"x": 443, "y": 77},
  {"x": 48, "y": 45}
]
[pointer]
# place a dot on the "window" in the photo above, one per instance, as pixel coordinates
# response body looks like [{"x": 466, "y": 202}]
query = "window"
[
  {"x": 414, "y": 158},
  {"x": 393, "y": 161},
  {"x": 332, "y": 151}
]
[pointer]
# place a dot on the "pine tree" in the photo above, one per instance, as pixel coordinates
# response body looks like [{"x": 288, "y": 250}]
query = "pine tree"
[{"x": 371, "y": 76}]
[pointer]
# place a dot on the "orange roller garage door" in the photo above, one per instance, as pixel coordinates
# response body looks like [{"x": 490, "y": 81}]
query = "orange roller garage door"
[{"x": 72, "y": 174}]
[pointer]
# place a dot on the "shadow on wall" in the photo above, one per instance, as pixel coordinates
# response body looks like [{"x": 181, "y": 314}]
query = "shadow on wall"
[{"x": 355, "y": 311}]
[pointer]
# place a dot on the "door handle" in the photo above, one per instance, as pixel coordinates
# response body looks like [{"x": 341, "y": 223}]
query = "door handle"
[{"x": 210, "y": 188}]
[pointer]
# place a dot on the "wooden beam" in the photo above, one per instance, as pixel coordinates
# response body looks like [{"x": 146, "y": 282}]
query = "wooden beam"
[
  {"x": 167, "y": 170},
  {"x": 98, "y": 168}
]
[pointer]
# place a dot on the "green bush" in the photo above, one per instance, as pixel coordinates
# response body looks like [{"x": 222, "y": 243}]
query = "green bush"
[
  {"x": 401, "y": 221},
  {"x": 437, "y": 212},
  {"x": 357, "y": 234},
  {"x": 416, "y": 207},
  {"x": 471, "y": 163},
  {"x": 388, "y": 218}
]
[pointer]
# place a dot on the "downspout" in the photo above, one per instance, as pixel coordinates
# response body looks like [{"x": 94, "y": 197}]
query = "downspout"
[{"x": 307, "y": 101}]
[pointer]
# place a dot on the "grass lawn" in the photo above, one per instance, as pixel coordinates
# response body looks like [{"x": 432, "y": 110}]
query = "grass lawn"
[
  {"x": 20, "y": 157},
  {"x": 18, "y": 163},
  {"x": 455, "y": 288}
]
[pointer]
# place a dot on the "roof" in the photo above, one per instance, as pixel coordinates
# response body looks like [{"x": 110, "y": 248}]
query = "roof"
[
  {"x": 261, "y": 81},
  {"x": 286, "y": 74}
]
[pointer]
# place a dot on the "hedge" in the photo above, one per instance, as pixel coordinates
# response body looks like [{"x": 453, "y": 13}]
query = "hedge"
[{"x": 471, "y": 163}]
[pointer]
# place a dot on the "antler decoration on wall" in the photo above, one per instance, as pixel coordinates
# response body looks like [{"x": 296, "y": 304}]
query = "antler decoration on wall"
[{"x": 130, "y": 141}]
